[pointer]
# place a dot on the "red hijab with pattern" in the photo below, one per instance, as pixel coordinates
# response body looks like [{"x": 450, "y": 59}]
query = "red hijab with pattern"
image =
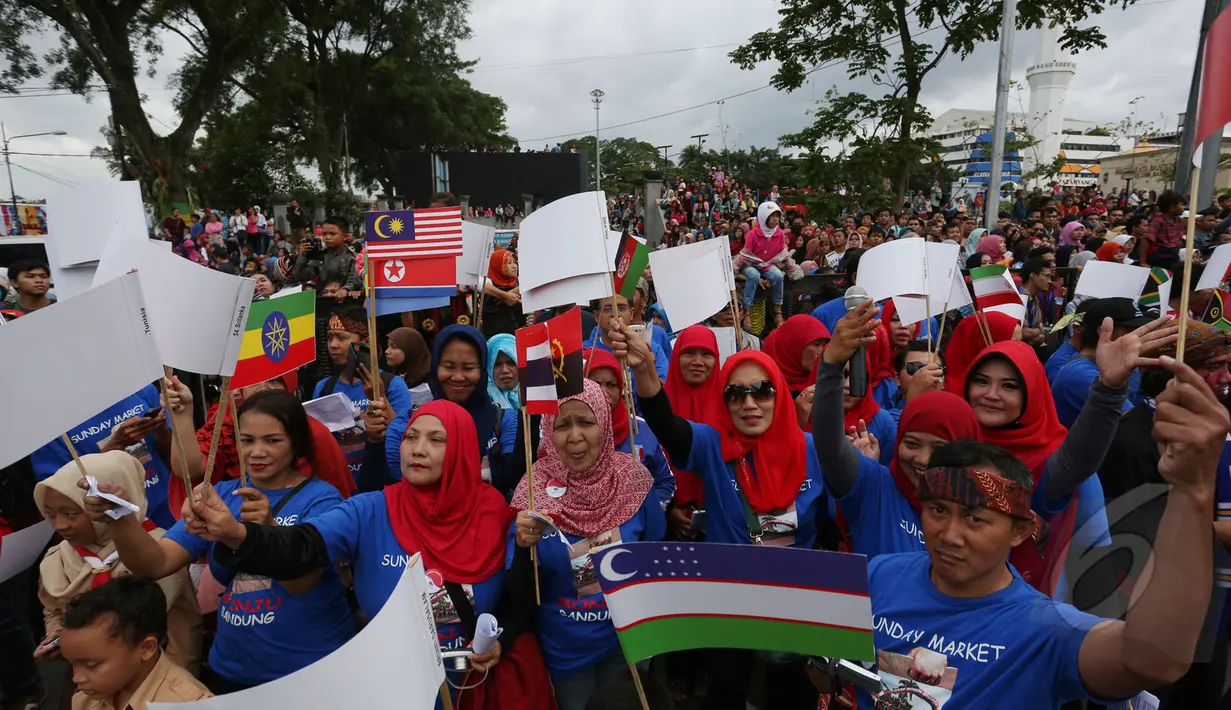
[
  {"x": 460, "y": 525},
  {"x": 779, "y": 455},
  {"x": 604, "y": 496}
]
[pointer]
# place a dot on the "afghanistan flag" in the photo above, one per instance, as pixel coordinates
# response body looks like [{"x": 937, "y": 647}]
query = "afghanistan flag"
[
  {"x": 1153, "y": 293},
  {"x": 631, "y": 259},
  {"x": 566, "y": 361},
  {"x": 1216, "y": 311},
  {"x": 280, "y": 337},
  {"x": 666, "y": 597}
]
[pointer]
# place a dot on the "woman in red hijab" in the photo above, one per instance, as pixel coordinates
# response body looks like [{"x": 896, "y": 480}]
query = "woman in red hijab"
[
  {"x": 692, "y": 379},
  {"x": 327, "y": 462},
  {"x": 441, "y": 510},
  {"x": 1110, "y": 252},
  {"x": 880, "y": 503},
  {"x": 1008, "y": 390},
  {"x": 501, "y": 295},
  {"x": 968, "y": 340},
  {"x": 794, "y": 346},
  {"x": 760, "y": 475}
]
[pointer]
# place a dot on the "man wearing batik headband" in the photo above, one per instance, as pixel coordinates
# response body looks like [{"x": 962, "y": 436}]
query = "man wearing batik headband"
[
  {"x": 959, "y": 622},
  {"x": 1136, "y": 495},
  {"x": 348, "y": 328}
]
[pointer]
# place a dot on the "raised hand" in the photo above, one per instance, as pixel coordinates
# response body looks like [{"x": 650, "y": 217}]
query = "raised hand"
[
  {"x": 629, "y": 345},
  {"x": 177, "y": 395},
  {"x": 1190, "y": 426},
  {"x": 855, "y": 329},
  {"x": 96, "y": 508},
  {"x": 1116, "y": 359},
  {"x": 864, "y": 441}
]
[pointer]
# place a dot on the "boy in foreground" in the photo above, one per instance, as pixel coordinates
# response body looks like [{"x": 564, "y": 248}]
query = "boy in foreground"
[{"x": 113, "y": 637}]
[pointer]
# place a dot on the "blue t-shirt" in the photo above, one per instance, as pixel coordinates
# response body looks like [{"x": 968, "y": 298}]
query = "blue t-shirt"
[
  {"x": 880, "y": 519},
  {"x": 652, "y": 456},
  {"x": 1090, "y": 529},
  {"x": 574, "y": 626},
  {"x": 1059, "y": 359},
  {"x": 359, "y": 530},
  {"x": 1012, "y": 649},
  {"x": 354, "y": 440},
  {"x": 831, "y": 311},
  {"x": 886, "y": 394},
  {"x": 724, "y": 510},
  {"x": 264, "y": 631},
  {"x": 661, "y": 338},
  {"x": 1071, "y": 389},
  {"x": 90, "y": 434}
]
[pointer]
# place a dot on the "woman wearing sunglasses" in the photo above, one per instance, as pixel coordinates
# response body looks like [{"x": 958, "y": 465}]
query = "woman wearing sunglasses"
[
  {"x": 762, "y": 484},
  {"x": 880, "y": 503}
]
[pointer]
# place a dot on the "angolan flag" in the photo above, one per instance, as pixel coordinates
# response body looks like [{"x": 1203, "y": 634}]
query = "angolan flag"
[{"x": 666, "y": 597}]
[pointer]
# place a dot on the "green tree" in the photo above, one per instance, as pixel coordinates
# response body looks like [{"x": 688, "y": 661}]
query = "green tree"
[
  {"x": 354, "y": 81},
  {"x": 862, "y": 33},
  {"x": 104, "y": 45},
  {"x": 244, "y": 159},
  {"x": 624, "y": 161}
]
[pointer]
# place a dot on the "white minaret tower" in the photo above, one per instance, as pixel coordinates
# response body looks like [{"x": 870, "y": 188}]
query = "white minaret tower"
[{"x": 1049, "y": 79}]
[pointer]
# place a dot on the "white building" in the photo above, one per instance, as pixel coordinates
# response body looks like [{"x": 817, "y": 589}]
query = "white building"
[{"x": 965, "y": 135}]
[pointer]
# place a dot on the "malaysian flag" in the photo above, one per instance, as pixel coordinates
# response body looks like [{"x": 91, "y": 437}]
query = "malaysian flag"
[{"x": 414, "y": 234}]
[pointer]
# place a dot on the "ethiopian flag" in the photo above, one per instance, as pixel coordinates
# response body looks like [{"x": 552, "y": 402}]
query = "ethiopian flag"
[
  {"x": 280, "y": 337},
  {"x": 666, "y": 596},
  {"x": 630, "y": 261}
]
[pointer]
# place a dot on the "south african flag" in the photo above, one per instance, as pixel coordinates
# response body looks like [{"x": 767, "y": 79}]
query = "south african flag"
[{"x": 1150, "y": 295}]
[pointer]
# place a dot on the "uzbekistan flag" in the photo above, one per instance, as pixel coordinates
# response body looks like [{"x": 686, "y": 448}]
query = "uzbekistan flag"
[
  {"x": 666, "y": 597},
  {"x": 537, "y": 380},
  {"x": 280, "y": 337},
  {"x": 631, "y": 259}
]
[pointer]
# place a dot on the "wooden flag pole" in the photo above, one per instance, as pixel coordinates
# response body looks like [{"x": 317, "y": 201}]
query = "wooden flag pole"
[
  {"x": 1188, "y": 268},
  {"x": 243, "y": 464},
  {"x": 632, "y": 668},
  {"x": 373, "y": 336},
  {"x": 73, "y": 452},
  {"x": 927, "y": 304},
  {"x": 480, "y": 297},
  {"x": 534, "y": 551},
  {"x": 984, "y": 328},
  {"x": 224, "y": 398},
  {"x": 175, "y": 436},
  {"x": 739, "y": 326},
  {"x": 446, "y": 702},
  {"x": 941, "y": 335},
  {"x": 632, "y": 410}
]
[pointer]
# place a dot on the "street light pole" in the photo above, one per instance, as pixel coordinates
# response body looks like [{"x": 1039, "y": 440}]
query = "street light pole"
[
  {"x": 700, "y": 139},
  {"x": 596, "y": 96},
  {"x": 664, "y": 148},
  {"x": 8, "y": 164}
]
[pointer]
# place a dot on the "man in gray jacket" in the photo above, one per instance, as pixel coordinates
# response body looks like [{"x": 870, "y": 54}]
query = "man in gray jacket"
[{"x": 337, "y": 263}]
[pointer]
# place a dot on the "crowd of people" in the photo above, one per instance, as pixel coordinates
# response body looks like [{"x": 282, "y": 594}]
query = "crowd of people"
[{"x": 1013, "y": 482}]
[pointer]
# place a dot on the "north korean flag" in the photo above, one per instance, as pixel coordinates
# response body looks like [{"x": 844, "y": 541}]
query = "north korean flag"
[{"x": 414, "y": 278}]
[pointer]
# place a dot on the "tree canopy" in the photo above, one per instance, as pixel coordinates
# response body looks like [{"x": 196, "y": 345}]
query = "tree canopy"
[{"x": 882, "y": 42}]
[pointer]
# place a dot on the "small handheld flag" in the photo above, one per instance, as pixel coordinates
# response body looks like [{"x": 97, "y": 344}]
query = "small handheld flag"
[
  {"x": 414, "y": 234},
  {"x": 279, "y": 338},
  {"x": 537, "y": 380},
  {"x": 666, "y": 597},
  {"x": 993, "y": 287},
  {"x": 630, "y": 261},
  {"x": 566, "y": 361},
  {"x": 1216, "y": 312},
  {"x": 1151, "y": 295}
]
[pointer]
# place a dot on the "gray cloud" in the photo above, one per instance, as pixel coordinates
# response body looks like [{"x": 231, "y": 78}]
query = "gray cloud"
[{"x": 1150, "y": 54}]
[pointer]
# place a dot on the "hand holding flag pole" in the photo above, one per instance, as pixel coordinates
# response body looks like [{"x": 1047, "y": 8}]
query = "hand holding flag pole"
[
  {"x": 1188, "y": 268},
  {"x": 168, "y": 373}
]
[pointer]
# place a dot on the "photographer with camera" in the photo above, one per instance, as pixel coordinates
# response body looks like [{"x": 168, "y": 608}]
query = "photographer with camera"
[{"x": 328, "y": 258}]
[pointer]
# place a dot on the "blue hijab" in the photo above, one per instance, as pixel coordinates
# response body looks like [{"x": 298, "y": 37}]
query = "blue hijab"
[
  {"x": 497, "y": 344},
  {"x": 479, "y": 405},
  {"x": 658, "y": 310}
]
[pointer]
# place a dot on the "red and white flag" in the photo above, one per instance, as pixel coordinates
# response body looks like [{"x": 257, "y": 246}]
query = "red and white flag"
[{"x": 1214, "y": 104}]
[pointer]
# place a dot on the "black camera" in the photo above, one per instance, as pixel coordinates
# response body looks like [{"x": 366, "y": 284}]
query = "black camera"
[{"x": 316, "y": 248}]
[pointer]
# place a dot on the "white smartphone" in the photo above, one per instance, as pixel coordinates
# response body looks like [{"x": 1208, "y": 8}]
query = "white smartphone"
[{"x": 642, "y": 331}]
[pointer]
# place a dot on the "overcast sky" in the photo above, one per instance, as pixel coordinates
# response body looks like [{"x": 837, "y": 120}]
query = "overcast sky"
[{"x": 652, "y": 58}]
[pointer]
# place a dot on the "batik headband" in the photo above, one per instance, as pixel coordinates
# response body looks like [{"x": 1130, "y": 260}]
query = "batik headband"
[
  {"x": 350, "y": 325},
  {"x": 977, "y": 488}
]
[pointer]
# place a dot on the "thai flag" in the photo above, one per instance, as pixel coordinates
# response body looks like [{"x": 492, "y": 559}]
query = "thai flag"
[{"x": 538, "y": 380}]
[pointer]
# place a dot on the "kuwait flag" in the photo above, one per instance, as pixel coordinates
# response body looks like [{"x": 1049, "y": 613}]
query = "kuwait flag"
[
  {"x": 537, "y": 381},
  {"x": 631, "y": 259},
  {"x": 280, "y": 337},
  {"x": 666, "y": 597},
  {"x": 994, "y": 287}
]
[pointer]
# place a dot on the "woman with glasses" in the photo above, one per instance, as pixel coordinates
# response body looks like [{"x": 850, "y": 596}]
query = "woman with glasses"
[{"x": 762, "y": 484}]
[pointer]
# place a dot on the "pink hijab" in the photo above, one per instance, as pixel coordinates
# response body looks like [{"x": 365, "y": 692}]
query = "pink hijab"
[
  {"x": 992, "y": 245},
  {"x": 605, "y": 496}
]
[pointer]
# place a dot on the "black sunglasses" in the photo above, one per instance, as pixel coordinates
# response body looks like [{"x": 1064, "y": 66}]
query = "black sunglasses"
[
  {"x": 913, "y": 367},
  {"x": 762, "y": 391}
]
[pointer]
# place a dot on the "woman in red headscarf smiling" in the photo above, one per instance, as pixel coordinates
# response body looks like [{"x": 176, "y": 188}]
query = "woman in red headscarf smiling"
[
  {"x": 794, "y": 346},
  {"x": 441, "y": 510},
  {"x": 596, "y": 497},
  {"x": 691, "y": 381},
  {"x": 968, "y": 340},
  {"x": 1007, "y": 388},
  {"x": 760, "y": 475}
]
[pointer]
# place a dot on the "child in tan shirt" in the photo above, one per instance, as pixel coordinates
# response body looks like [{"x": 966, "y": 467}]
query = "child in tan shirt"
[{"x": 112, "y": 636}]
